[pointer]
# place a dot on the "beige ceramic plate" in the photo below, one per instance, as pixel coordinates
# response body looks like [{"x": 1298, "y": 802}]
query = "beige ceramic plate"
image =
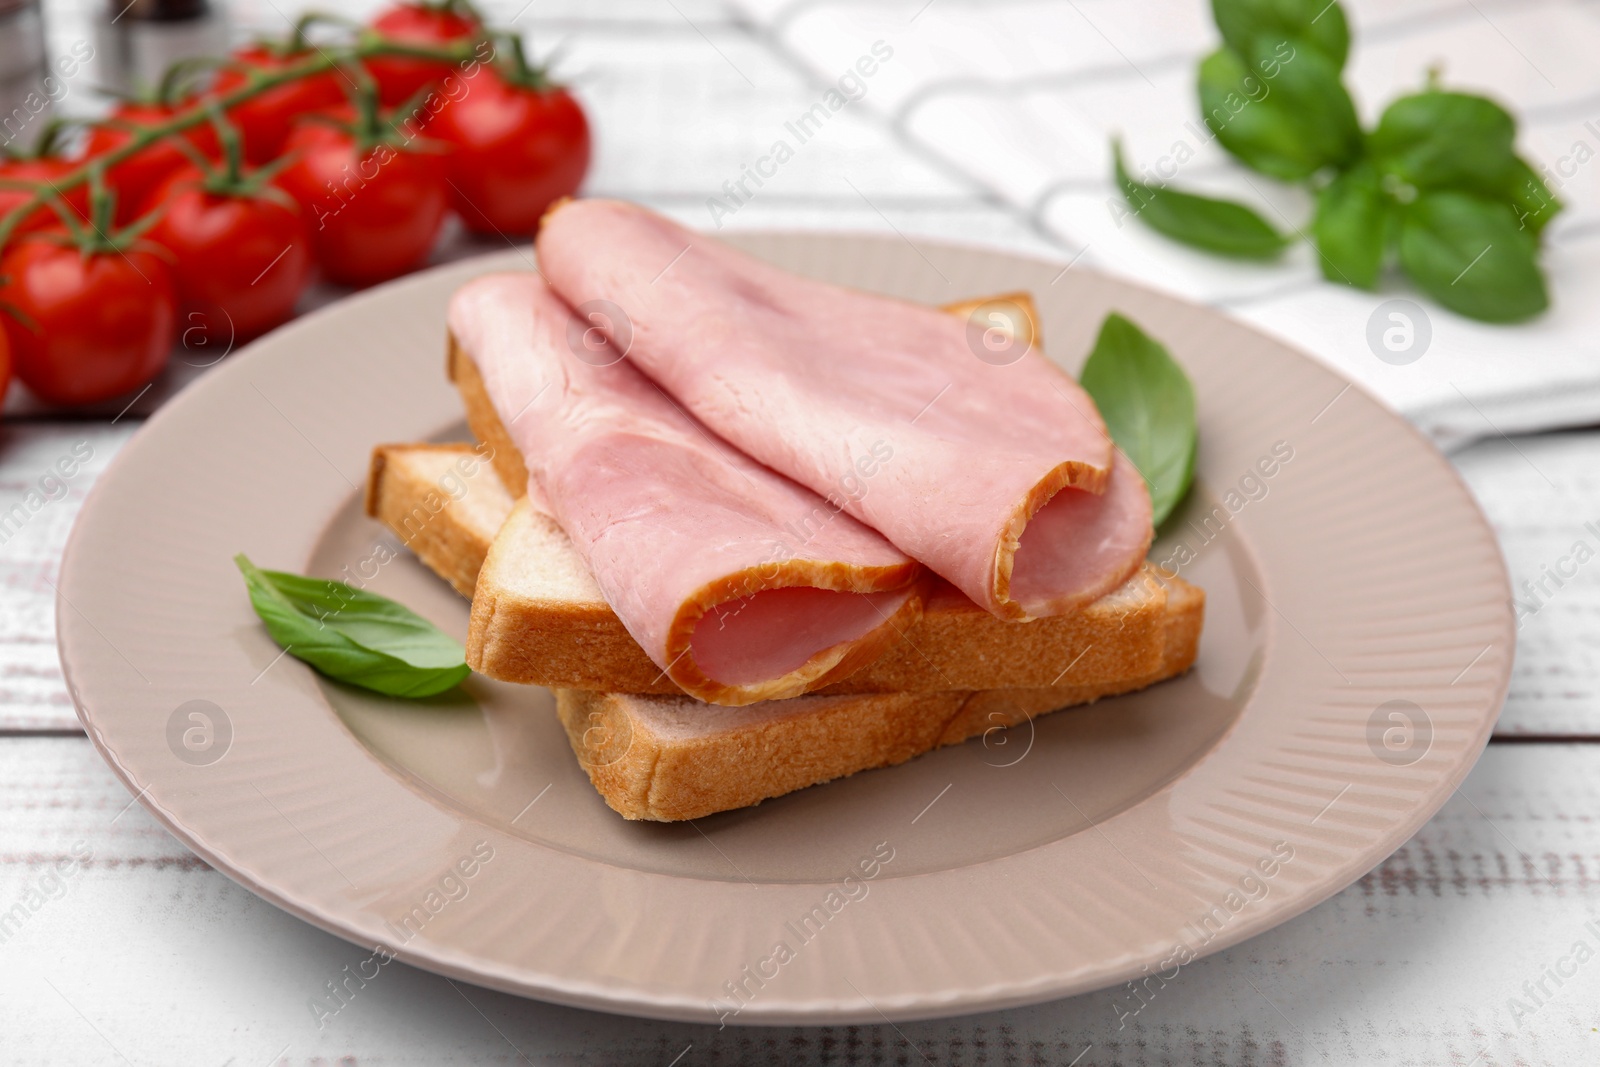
[{"x": 1358, "y": 643}]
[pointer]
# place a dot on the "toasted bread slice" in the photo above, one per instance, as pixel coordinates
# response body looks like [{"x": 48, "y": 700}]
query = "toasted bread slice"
[
  {"x": 538, "y": 617},
  {"x": 667, "y": 758},
  {"x": 444, "y": 501}
]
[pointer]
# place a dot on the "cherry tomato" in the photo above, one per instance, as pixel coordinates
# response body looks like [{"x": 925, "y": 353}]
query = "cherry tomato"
[
  {"x": 373, "y": 214},
  {"x": 400, "y": 77},
  {"x": 99, "y": 324},
  {"x": 241, "y": 260},
  {"x": 134, "y": 179},
  {"x": 514, "y": 151},
  {"x": 266, "y": 120},
  {"x": 38, "y": 174}
]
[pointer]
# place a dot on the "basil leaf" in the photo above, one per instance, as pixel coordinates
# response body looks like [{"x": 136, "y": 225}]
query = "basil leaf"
[
  {"x": 1443, "y": 140},
  {"x": 1319, "y": 23},
  {"x": 1351, "y": 225},
  {"x": 354, "y": 636},
  {"x": 1284, "y": 113},
  {"x": 1535, "y": 205},
  {"x": 1220, "y": 226},
  {"x": 1468, "y": 253},
  {"x": 1148, "y": 405}
]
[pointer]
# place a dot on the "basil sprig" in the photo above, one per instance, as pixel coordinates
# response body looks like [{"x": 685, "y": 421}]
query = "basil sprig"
[
  {"x": 1437, "y": 187},
  {"x": 354, "y": 636},
  {"x": 1148, "y": 405}
]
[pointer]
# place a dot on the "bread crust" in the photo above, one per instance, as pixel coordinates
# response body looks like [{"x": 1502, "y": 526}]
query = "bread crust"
[
  {"x": 482, "y": 419},
  {"x": 666, "y": 759}
]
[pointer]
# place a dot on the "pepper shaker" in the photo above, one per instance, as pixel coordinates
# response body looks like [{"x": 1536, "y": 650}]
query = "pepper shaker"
[{"x": 140, "y": 39}]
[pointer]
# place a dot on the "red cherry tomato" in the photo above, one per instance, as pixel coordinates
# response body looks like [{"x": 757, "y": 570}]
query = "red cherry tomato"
[
  {"x": 400, "y": 77},
  {"x": 265, "y": 121},
  {"x": 38, "y": 174},
  {"x": 240, "y": 261},
  {"x": 373, "y": 215},
  {"x": 99, "y": 324},
  {"x": 134, "y": 179},
  {"x": 514, "y": 151}
]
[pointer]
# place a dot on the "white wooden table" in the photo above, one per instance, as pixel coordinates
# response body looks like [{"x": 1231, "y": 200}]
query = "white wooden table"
[{"x": 1445, "y": 954}]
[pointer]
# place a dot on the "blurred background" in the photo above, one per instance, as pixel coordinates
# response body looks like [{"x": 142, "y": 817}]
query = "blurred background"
[{"x": 991, "y": 123}]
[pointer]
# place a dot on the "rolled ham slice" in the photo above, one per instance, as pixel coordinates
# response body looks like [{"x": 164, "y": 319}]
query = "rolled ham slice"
[
  {"x": 686, "y": 535},
  {"x": 1002, "y": 478}
]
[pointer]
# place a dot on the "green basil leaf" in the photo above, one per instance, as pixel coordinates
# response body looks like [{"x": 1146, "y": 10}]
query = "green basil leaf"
[
  {"x": 1284, "y": 112},
  {"x": 1443, "y": 140},
  {"x": 1319, "y": 23},
  {"x": 1351, "y": 227},
  {"x": 1469, "y": 254},
  {"x": 1148, "y": 405},
  {"x": 1535, "y": 205},
  {"x": 354, "y": 636},
  {"x": 1220, "y": 226}
]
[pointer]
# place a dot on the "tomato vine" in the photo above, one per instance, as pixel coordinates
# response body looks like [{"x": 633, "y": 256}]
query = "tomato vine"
[{"x": 368, "y": 45}]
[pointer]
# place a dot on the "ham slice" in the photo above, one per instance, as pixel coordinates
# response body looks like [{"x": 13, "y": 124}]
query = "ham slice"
[
  {"x": 692, "y": 542},
  {"x": 1001, "y": 478}
]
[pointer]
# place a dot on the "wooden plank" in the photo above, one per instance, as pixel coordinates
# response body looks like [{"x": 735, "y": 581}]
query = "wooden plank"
[
  {"x": 1542, "y": 493},
  {"x": 46, "y": 470},
  {"x": 143, "y": 951}
]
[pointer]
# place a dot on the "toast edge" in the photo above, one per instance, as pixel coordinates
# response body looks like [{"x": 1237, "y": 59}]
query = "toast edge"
[{"x": 654, "y": 780}]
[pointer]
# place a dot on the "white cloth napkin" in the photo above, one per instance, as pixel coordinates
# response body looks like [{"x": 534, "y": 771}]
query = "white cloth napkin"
[{"x": 1023, "y": 98}]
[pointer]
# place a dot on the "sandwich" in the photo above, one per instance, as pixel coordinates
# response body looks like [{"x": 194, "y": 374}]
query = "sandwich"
[
  {"x": 748, "y": 559},
  {"x": 665, "y": 757}
]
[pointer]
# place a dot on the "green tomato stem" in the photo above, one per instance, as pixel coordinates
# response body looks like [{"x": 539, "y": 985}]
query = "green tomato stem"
[{"x": 369, "y": 45}]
